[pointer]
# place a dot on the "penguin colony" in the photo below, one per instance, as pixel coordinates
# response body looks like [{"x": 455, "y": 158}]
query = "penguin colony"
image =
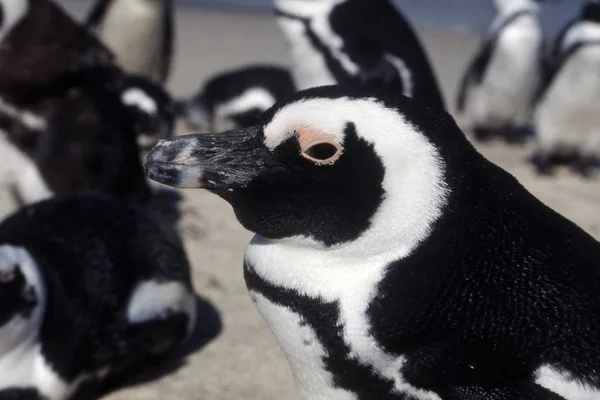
[{"x": 372, "y": 212}]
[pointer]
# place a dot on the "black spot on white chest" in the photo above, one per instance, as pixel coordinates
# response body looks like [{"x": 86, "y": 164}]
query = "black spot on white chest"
[{"x": 328, "y": 346}]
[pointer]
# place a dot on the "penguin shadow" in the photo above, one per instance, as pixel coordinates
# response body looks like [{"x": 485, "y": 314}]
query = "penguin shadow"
[{"x": 208, "y": 327}]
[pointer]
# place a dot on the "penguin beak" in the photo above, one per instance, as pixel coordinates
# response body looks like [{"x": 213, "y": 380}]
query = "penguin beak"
[{"x": 216, "y": 161}]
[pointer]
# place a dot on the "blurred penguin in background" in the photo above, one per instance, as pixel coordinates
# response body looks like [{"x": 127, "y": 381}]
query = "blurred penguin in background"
[
  {"x": 236, "y": 98},
  {"x": 587, "y": 18},
  {"x": 366, "y": 42},
  {"x": 64, "y": 127},
  {"x": 567, "y": 113},
  {"x": 138, "y": 32},
  {"x": 497, "y": 89}
]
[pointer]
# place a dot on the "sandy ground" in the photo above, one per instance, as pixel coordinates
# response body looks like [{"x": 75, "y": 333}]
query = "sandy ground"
[{"x": 234, "y": 356}]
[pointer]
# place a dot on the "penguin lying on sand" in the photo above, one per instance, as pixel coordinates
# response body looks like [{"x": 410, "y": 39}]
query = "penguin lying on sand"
[
  {"x": 139, "y": 32},
  {"x": 498, "y": 87},
  {"x": 392, "y": 261},
  {"x": 356, "y": 42},
  {"x": 67, "y": 114},
  {"x": 236, "y": 98},
  {"x": 567, "y": 110},
  {"x": 91, "y": 289}
]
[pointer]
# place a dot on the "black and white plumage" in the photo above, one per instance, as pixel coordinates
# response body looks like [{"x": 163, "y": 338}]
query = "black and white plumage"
[
  {"x": 237, "y": 98},
  {"x": 567, "y": 109},
  {"x": 356, "y": 42},
  {"x": 497, "y": 89},
  {"x": 91, "y": 288},
  {"x": 139, "y": 32},
  {"x": 152, "y": 109},
  {"x": 590, "y": 12},
  {"x": 63, "y": 120},
  {"x": 392, "y": 261}
]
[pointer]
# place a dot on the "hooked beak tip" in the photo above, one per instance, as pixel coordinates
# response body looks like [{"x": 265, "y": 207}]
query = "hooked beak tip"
[{"x": 161, "y": 165}]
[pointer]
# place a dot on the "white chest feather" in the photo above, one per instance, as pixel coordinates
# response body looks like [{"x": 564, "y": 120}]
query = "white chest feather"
[
  {"x": 564, "y": 384},
  {"x": 25, "y": 366},
  {"x": 568, "y": 116},
  {"x": 133, "y": 30},
  {"x": 309, "y": 64},
  {"x": 504, "y": 95},
  {"x": 352, "y": 286},
  {"x": 303, "y": 350}
]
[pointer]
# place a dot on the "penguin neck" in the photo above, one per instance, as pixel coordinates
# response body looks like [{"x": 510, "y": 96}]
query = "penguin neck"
[{"x": 509, "y": 7}]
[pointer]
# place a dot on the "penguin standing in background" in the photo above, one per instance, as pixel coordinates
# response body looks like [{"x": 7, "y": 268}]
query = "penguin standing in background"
[
  {"x": 588, "y": 16},
  {"x": 365, "y": 42},
  {"x": 91, "y": 289},
  {"x": 393, "y": 261},
  {"x": 498, "y": 87},
  {"x": 139, "y": 32},
  {"x": 236, "y": 98},
  {"x": 567, "y": 108}
]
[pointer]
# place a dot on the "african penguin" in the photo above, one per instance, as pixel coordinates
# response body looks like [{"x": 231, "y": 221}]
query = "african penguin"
[
  {"x": 392, "y": 261},
  {"x": 139, "y": 32},
  {"x": 62, "y": 112},
  {"x": 497, "y": 88},
  {"x": 152, "y": 109},
  {"x": 91, "y": 289},
  {"x": 356, "y": 42},
  {"x": 236, "y": 98},
  {"x": 590, "y": 13},
  {"x": 567, "y": 108}
]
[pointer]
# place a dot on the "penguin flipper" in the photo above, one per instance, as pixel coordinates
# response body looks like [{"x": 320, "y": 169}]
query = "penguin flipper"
[
  {"x": 96, "y": 14},
  {"x": 475, "y": 71},
  {"x": 166, "y": 48}
]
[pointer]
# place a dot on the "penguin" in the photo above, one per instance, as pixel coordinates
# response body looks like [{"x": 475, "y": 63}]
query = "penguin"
[
  {"x": 64, "y": 109},
  {"x": 589, "y": 13},
  {"x": 356, "y": 42},
  {"x": 139, "y": 32},
  {"x": 93, "y": 289},
  {"x": 236, "y": 98},
  {"x": 566, "y": 124},
  {"x": 498, "y": 86},
  {"x": 391, "y": 260},
  {"x": 152, "y": 109}
]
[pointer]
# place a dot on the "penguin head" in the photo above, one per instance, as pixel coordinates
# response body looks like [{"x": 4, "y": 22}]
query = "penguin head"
[
  {"x": 151, "y": 107},
  {"x": 332, "y": 166},
  {"x": 591, "y": 11},
  {"x": 22, "y": 295}
]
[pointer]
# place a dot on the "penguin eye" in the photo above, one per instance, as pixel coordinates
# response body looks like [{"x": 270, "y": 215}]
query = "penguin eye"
[{"x": 322, "y": 151}]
